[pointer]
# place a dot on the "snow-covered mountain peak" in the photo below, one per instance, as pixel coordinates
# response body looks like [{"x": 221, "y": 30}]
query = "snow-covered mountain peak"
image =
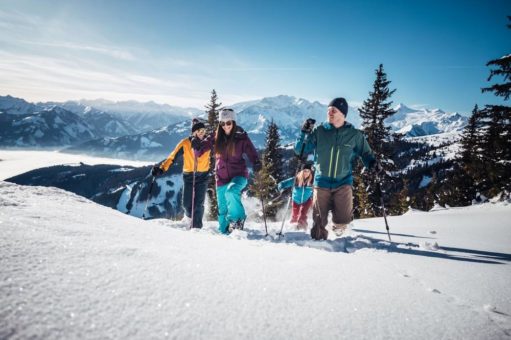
[{"x": 402, "y": 108}]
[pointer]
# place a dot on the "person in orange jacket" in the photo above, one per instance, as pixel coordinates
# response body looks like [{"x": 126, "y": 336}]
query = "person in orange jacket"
[{"x": 195, "y": 173}]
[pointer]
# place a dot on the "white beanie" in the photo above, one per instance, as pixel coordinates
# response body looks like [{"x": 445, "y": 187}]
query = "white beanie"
[{"x": 227, "y": 115}]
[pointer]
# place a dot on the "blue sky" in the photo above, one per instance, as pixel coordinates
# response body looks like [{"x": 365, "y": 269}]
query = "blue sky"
[{"x": 175, "y": 52}]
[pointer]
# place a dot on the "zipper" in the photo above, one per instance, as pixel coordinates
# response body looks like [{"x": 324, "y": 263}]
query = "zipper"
[{"x": 330, "y": 164}]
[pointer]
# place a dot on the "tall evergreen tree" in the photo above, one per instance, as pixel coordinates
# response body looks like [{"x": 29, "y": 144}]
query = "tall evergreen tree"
[
  {"x": 373, "y": 112},
  {"x": 470, "y": 138},
  {"x": 271, "y": 173},
  {"x": 212, "y": 109},
  {"x": 498, "y": 133},
  {"x": 272, "y": 155},
  {"x": 473, "y": 159}
]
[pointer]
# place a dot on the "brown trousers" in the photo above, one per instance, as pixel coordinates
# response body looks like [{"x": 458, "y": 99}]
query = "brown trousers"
[{"x": 339, "y": 201}]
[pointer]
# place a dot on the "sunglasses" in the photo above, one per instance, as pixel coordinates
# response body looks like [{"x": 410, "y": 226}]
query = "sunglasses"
[{"x": 228, "y": 123}]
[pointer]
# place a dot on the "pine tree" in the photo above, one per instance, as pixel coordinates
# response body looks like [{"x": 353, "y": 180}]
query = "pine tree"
[
  {"x": 497, "y": 141},
  {"x": 361, "y": 199},
  {"x": 402, "y": 200},
  {"x": 265, "y": 189},
  {"x": 373, "y": 112},
  {"x": 472, "y": 158},
  {"x": 271, "y": 173},
  {"x": 470, "y": 137},
  {"x": 212, "y": 109},
  {"x": 272, "y": 155}
]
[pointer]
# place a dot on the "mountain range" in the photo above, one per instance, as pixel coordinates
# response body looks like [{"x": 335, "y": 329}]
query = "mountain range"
[{"x": 148, "y": 130}]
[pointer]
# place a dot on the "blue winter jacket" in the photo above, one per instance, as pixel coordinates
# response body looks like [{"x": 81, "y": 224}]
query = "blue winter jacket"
[{"x": 301, "y": 194}]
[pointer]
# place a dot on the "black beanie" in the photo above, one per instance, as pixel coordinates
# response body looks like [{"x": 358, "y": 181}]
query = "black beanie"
[
  {"x": 307, "y": 166},
  {"x": 197, "y": 124},
  {"x": 341, "y": 104}
]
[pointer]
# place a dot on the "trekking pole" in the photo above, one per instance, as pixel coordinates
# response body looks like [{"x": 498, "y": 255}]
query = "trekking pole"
[
  {"x": 305, "y": 139},
  {"x": 383, "y": 208},
  {"x": 148, "y": 195},
  {"x": 193, "y": 187}
]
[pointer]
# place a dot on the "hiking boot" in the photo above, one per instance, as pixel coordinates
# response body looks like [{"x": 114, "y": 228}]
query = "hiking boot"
[
  {"x": 339, "y": 229},
  {"x": 318, "y": 233},
  {"x": 302, "y": 225},
  {"x": 236, "y": 225}
]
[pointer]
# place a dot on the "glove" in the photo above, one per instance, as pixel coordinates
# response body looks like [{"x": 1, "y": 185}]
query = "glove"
[
  {"x": 157, "y": 171},
  {"x": 308, "y": 125},
  {"x": 257, "y": 167},
  {"x": 196, "y": 143}
]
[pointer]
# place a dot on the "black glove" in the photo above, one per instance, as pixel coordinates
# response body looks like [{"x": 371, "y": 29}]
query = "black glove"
[
  {"x": 157, "y": 171},
  {"x": 257, "y": 166},
  {"x": 196, "y": 143},
  {"x": 308, "y": 125}
]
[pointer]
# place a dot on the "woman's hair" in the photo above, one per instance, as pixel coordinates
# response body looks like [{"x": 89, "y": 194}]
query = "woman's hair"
[
  {"x": 225, "y": 142},
  {"x": 301, "y": 180}
]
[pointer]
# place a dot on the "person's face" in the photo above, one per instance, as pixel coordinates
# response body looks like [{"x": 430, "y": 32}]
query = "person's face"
[
  {"x": 306, "y": 173},
  {"x": 227, "y": 126},
  {"x": 335, "y": 116},
  {"x": 200, "y": 133}
]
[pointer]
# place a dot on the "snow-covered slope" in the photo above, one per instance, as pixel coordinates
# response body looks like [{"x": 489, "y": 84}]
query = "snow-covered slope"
[
  {"x": 74, "y": 269},
  {"x": 414, "y": 123},
  {"x": 144, "y": 116},
  {"x": 50, "y": 127},
  {"x": 104, "y": 123},
  {"x": 287, "y": 112},
  {"x": 152, "y": 145},
  {"x": 16, "y": 106}
]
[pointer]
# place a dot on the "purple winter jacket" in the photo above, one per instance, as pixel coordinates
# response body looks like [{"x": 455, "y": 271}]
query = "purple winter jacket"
[{"x": 229, "y": 166}]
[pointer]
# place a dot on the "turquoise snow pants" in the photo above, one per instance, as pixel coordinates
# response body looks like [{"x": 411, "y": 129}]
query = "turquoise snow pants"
[{"x": 230, "y": 208}]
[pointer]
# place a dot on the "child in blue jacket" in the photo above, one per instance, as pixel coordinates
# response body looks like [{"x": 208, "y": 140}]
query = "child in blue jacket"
[{"x": 301, "y": 195}]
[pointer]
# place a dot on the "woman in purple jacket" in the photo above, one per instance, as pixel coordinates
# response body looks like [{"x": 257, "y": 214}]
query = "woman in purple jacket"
[{"x": 231, "y": 144}]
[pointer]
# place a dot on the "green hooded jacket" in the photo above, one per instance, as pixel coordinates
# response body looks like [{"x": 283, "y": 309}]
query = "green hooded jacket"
[{"x": 334, "y": 150}]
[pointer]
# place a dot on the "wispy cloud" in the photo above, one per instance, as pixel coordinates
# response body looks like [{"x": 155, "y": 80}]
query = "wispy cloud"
[
  {"x": 44, "y": 78},
  {"x": 47, "y": 60},
  {"x": 105, "y": 50}
]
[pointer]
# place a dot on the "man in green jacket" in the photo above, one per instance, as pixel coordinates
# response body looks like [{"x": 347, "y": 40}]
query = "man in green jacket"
[{"x": 334, "y": 144}]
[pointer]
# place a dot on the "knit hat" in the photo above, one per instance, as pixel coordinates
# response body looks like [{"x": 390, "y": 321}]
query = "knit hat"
[
  {"x": 307, "y": 166},
  {"x": 227, "y": 115},
  {"x": 341, "y": 104},
  {"x": 197, "y": 125}
]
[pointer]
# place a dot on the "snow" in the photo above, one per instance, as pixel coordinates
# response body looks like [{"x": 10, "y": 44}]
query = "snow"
[
  {"x": 147, "y": 143},
  {"x": 15, "y": 162},
  {"x": 73, "y": 269}
]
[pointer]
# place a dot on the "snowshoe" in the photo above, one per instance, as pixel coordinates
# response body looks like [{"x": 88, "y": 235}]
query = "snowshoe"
[
  {"x": 339, "y": 229},
  {"x": 236, "y": 225}
]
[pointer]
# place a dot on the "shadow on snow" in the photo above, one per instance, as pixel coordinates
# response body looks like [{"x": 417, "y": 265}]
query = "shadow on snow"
[{"x": 352, "y": 243}]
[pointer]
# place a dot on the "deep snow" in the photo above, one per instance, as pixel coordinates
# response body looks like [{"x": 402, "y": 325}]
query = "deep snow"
[{"x": 70, "y": 268}]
